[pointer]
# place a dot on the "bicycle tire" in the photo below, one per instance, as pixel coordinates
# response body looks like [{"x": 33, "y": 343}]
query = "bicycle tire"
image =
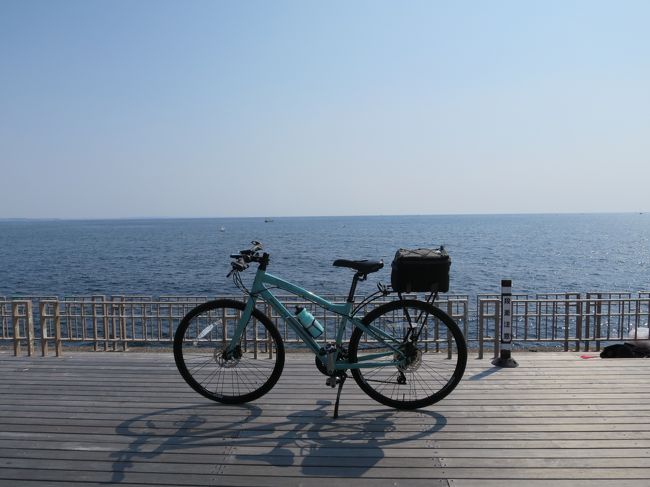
[
  {"x": 199, "y": 351},
  {"x": 429, "y": 375}
]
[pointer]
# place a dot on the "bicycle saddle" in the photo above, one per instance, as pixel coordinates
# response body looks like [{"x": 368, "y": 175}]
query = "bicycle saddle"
[{"x": 362, "y": 266}]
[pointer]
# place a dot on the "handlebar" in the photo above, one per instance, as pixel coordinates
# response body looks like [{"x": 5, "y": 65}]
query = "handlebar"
[
  {"x": 244, "y": 257},
  {"x": 249, "y": 255}
]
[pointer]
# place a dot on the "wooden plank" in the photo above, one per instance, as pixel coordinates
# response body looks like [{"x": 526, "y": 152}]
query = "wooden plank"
[
  {"x": 202, "y": 464},
  {"x": 285, "y": 428},
  {"x": 545, "y": 483},
  {"x": 263, "y": 472},
  {"x": 333, "y": 441},
  {"x": 554, "y": 418},
  {"x": 129, "y": 417}
]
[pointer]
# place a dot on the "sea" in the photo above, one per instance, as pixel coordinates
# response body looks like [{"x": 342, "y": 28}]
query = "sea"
[{"x": 540, "y": 253}]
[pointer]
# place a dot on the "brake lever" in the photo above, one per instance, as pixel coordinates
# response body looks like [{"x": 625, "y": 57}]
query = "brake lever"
[{"x": 237, "y": 266}]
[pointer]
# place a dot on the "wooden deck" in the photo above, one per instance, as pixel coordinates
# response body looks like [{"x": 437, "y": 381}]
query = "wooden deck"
[{"x": 98, "y": 418}]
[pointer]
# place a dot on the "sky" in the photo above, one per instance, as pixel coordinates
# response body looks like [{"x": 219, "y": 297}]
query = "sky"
[{"x": 117, "y": 109}]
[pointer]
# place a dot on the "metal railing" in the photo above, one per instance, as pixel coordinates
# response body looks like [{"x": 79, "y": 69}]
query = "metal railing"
[
  {"x": 101, "y": 323},
  {"x": 568, "y": 321}
]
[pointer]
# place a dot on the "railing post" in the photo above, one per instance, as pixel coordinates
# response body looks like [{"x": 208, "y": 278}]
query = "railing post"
[
  {"x": 567, "y": 305},
  {"x": 449, "y": 337},
  {"x": 497, "y": 329},
  {"x": 116, "y": 323},
  {"x": 29, "y": 327},
  {"x": 255, "y": 337},
  {"x": 269, "y": 345},
  {"x": 28, "y": 316},
  {"x": 224, "y": 327},
  {"x": 94, "y": 299},
  {"x": 480, "y": 327},
  {"x": 526, "y": 305},
  {"x": 505, "y": 359},
  {"x": 466, "y": 316},
  {"x": 579, "y": 323},
  {"x": 43, "y": 316},
  {"x": 55, "y": 314},
  {"x": 267, "y": 335},
  {"x": 15, "y": 317},
  {"x": 597, "y": 320},
  {"x": 123, "y": 325},
  {"x": 107, "y": 318},
  {"x": 57, "y": 329}
]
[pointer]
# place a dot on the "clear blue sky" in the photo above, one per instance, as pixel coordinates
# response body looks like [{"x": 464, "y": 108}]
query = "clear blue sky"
[{"x": 241, "y": 108}]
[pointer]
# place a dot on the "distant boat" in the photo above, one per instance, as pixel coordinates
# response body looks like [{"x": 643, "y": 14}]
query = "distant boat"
[
  {"x": 222, "y": 229},
  {"x": 268, "y": 220}
]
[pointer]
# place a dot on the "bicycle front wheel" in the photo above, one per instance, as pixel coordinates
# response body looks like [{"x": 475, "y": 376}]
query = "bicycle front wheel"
[
  {"x": 431, "y": 351},
  {"x": 218, "y": 371}
]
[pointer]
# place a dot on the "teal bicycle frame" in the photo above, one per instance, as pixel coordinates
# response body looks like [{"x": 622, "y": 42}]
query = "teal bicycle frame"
[{"x": 260, "y": 289}]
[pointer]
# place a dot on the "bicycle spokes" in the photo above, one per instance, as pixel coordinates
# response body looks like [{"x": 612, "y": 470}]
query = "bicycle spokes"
[
  {"x": 222, "y": 366},
  {"x": 427, "y": 363}
]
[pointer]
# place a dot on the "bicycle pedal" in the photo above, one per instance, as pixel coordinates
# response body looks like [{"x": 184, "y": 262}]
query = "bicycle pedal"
[{"x": 331, "y": 381}]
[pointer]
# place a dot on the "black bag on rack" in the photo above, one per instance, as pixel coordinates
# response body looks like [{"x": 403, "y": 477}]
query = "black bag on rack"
[{"x": 420, "y": 270}]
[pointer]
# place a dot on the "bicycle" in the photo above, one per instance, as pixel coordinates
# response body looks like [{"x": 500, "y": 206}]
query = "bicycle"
[{"x": 405, "y": 353}]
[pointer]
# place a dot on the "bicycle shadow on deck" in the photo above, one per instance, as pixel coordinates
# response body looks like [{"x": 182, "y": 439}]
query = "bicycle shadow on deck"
[
  {"x": 170, "y": 430},
  {"x": 348, "y": 446},
  {"x": 308, "y": 439}
]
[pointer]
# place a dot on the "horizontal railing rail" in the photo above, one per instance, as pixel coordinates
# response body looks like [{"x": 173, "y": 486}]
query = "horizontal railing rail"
[{"x": 569, "y": 321}]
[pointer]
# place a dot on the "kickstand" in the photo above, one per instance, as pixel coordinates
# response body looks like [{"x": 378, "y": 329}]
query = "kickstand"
[{"x": 338, "y": 394}]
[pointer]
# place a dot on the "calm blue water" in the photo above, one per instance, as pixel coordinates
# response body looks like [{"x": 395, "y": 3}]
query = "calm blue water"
[{"x": 540, "y": 253}]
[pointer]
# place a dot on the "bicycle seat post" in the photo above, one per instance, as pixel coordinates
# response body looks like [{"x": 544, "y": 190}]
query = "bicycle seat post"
[
  {"x": 353, "y": 287},
  {"x": 363, "y": 268}
]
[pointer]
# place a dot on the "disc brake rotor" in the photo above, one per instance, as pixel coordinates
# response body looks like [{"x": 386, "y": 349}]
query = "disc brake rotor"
[{"x": 227, "y": 359}]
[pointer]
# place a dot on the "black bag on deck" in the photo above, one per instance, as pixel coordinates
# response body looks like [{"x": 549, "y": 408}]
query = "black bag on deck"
[
  {"x": 420, "y": 270},
  {"x": 626, "y": 350}
]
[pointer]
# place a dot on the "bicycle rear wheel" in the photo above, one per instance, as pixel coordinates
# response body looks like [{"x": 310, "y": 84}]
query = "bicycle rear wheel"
[
  {"x": 237, "y": 375},
  {"x": 434, "y": 351}
]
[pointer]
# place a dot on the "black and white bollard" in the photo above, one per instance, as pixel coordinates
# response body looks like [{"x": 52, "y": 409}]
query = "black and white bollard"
[{"x": 505, "y": 358}]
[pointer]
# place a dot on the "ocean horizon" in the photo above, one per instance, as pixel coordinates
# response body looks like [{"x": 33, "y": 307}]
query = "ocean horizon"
[
  {"x": 540, "y": 252},
  {"x": 263, "y": 216}
]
